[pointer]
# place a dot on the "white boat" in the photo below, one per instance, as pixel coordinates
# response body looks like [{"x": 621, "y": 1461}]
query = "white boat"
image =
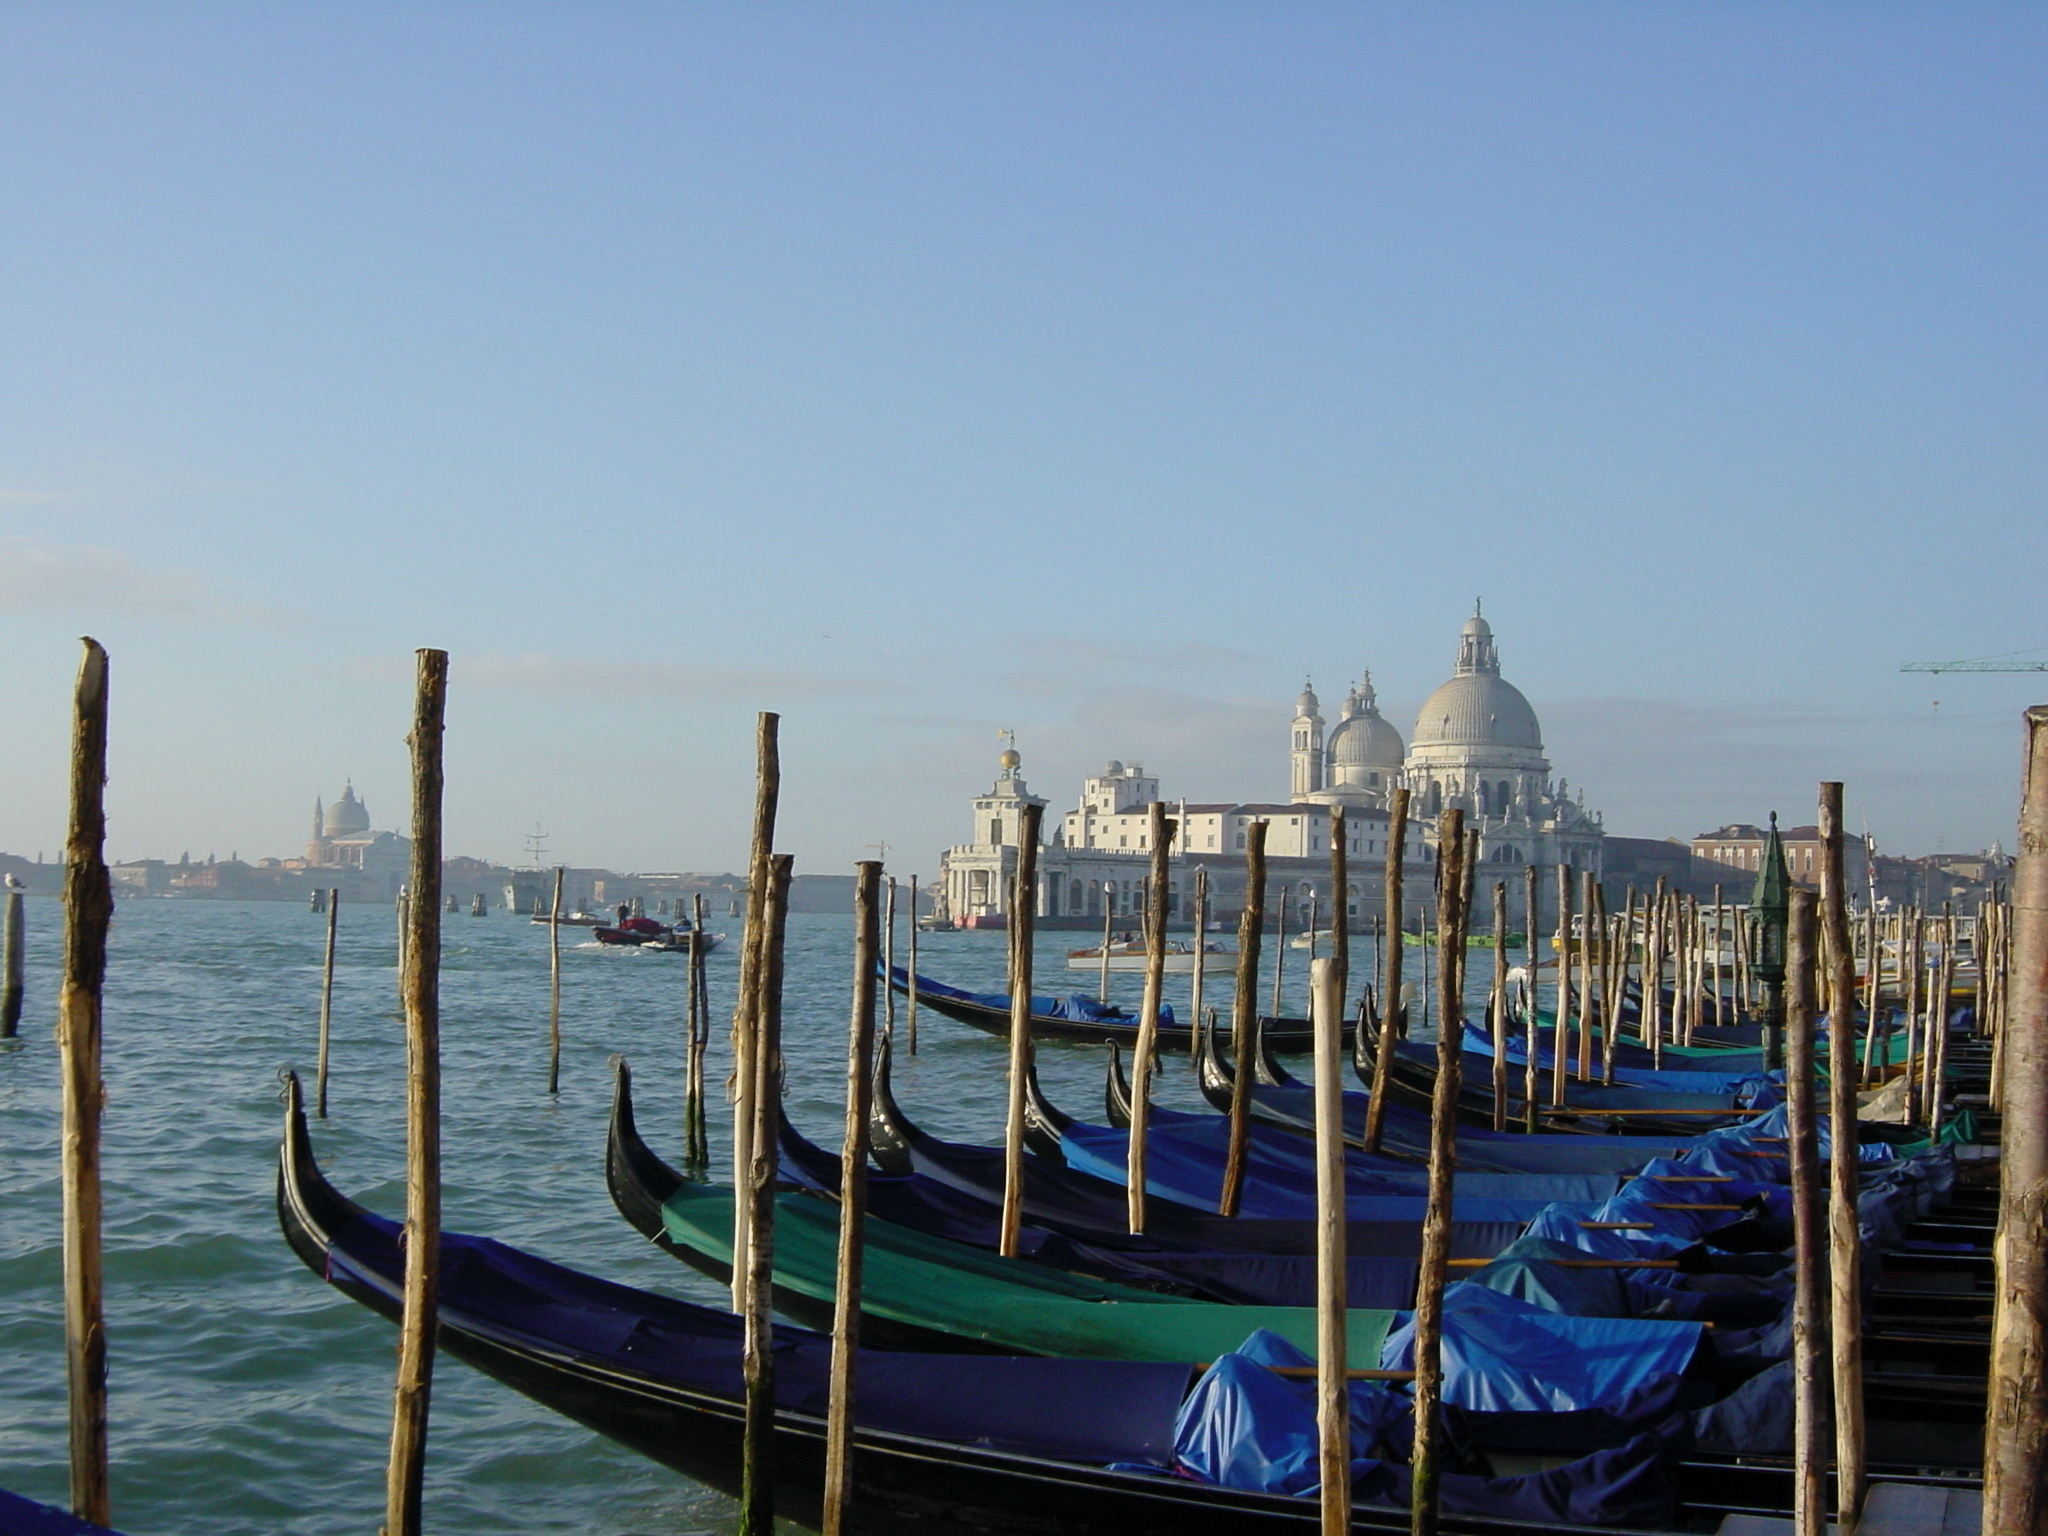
[{"x": 1130, "y": 956}]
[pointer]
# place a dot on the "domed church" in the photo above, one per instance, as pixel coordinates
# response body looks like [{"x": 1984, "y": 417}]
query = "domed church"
[{"x": 1476, "y": 745}]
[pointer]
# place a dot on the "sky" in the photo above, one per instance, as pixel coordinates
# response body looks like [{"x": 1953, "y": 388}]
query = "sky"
[{"x": 1094, "y": 371}]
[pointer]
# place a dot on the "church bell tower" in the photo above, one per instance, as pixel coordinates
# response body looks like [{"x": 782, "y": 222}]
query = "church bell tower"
[{"x": 1308, "y": 743}]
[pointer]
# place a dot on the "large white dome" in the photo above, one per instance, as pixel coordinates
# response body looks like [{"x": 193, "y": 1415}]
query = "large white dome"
[{"x": 1478, "y": 709}]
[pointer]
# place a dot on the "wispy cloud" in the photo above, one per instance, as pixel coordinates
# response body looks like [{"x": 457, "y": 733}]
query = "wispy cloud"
[
  {"x": 39, "y": 577},
  {"x": 536, "y": 673}
]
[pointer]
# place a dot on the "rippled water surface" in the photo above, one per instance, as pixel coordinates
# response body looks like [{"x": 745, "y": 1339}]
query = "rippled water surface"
[{"x": 249, "y": 1397}]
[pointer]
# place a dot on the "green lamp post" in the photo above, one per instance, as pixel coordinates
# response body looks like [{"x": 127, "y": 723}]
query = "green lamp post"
[{"x": 1770, "y": 905}]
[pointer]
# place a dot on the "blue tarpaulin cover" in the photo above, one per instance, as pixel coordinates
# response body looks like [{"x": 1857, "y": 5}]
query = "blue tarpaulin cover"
[
  {"x": 1244, "y": 1427},
  {"x": 1502, "y": 1354}
]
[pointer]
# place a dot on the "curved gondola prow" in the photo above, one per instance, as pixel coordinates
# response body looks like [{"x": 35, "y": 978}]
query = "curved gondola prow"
[
  {"x": 1044, "y": 1122},
  {"x": 310, "y": 1210},
  {"x": 1212, "y": 1076},
  {"x": 1116, "y": 1091},
  {"x": 1363, "y": 1032},
  {"x": 1266, "y": 1066},
  {"x": 640, "y": 1182},
  {"x": 890, "y": 1133}
]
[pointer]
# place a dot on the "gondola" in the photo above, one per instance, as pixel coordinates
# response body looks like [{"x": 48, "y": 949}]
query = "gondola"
[
  {"x": 1077, "y": 1017},
  {"x": 25, "y": 1517},
  {"x": 950, "y": 1445}
]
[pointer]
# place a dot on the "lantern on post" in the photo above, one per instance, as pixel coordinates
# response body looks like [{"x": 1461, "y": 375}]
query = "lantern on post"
[{"x": 1770, "y": 905}]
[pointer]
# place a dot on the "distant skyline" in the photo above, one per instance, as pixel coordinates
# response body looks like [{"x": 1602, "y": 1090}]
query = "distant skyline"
[{"x": 1091, "y": 371}]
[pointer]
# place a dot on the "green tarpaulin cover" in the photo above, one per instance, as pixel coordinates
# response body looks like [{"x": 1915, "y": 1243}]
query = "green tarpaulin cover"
[{"x": 932, "y": 1282}]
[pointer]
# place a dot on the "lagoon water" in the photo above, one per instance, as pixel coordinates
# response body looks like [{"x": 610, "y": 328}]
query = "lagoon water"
[{"x": 247, "y": 1396}]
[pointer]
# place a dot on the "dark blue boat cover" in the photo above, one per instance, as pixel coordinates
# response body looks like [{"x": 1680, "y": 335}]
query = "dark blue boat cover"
[
  {"x": 1502, "y": 1354},
  {"x": 1076, "y": 1007},
  {"x": 1669, "y": 1080},
  {"x": 1008, "y": 1403},
  {"x": 1244, "y": 1427},
  {"x": 1185, "y": 1155},
  {"x": 25, "y": 1517}
]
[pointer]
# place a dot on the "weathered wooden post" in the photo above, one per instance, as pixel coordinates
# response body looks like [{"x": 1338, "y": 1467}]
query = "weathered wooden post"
[
  {"x": 1532, "y": 898},
  {"x": 1497, "y": 1005},
  {"x": 422, "y": 987},
  {"x": 757, "y": 1350},
  {"x": 889, "y": 961},
  {"x": 1244, "y": 1018},
  {"x": 1393, "y": 1012},
  {"x": 753, "y": 968},
  {"x": 1560, "y": 1033},
  {"x": 1809, "y": 1392},
  {"x": 1159, "y": 831},
  {"x": 1201, "y": 957},
  {"x": 555, "y": 988},
  {"x": 1451, "y": 896},
  {"x": 910, "y": 997},
  {"x": 1944, "y": 988},
  {"x": 1333, "y": 1392},
  {"x": 696, "y": 1113},
  {"x": 1022, "y": 919},
  {"x": 1108, "y": 926},
  {"x": 1340, "y": 903},
  {"x": 853, "y": 1204},
  {"x": 11, "y": 967},
  {"x": 1873, "y": 996},
  {"x": 1845, "y": 1238},
  {"x": 1280, "y": 950},
  {"x": 333, "y": 905},
  {"x": 88, "y": 912},
  {"x": 1592, "y": 972}
]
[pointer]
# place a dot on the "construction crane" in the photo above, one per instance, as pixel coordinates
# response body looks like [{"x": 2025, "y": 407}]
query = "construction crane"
[{"x": 2004, "y": 663}]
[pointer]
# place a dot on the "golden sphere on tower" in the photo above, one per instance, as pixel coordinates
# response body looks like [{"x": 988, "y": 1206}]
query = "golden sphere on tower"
[{"x": 1011, "y": 759}]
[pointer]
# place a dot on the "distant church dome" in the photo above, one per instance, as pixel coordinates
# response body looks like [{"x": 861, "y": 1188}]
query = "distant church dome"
[
  {"x": 347, "y": 816},
  {"x": 1477, "y": 707},
  {"x": 1364, "y": 738}
]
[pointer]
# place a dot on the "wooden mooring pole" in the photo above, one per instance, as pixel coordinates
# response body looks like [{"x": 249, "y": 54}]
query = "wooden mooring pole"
[
  {"x": 1452, "y": 893},
  {"x": 1333, "y": 1389},
  {"x": 88, "y": 912},
  {"x": 1393, "y": 1011},
  {"x": 1244, "y": 1020},
  {"x": 2016, "y": 1426},
  {"x": 696, "y": 1114},
  {"x": 853, "y": 1203},
  {"x": 1145, "y": 1052},
  {"x": 421, "y": 984},
  {"x": 764, "y": 1101},
  {"x": 11, "y": 960},
  {"x": 1532, "y": 1044},
  {"x": 1022, "y": 920},
  {"x": 326, "y": 1002},
  {"x": 1560, "y": 1032},
  {"x": 1845, "y": 1237},
  {"x": 1809, "y": 1313},
  {"x": 1340, "y": 902},
  {"x": 1201, "y": 957},
  {"x": 910, "y": 1001},
  {"x": 753, "y": 949},
  {"x": 1497, "y": 1006},
  {"x": 555, "y": 989}
]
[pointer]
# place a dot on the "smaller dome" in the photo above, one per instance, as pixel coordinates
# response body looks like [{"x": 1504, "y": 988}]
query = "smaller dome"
[
  {"x": 1308, "y": 703},
  {"x": 1367, "y": 740},
  {"x": 1477, "y": 626}
]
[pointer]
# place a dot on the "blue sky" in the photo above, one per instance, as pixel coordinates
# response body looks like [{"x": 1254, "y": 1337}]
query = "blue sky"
[{"x": 1090, "y": 370}]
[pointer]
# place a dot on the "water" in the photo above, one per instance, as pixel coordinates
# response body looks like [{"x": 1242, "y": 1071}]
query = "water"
[{"x": 246, "y": 1395}]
